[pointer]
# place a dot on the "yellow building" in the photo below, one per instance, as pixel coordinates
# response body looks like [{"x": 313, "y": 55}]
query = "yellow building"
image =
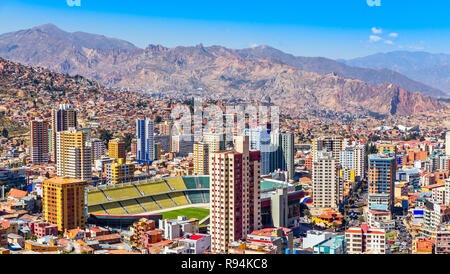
[
  {"x": 120, "y": 172},
  {"x": 74, "y": 154},
  {"x": 387, "y": 148},
  {"x": 116, "y": 149},
  {"x": 63, "y": 202},
  {"x": 201, "y": 159}
]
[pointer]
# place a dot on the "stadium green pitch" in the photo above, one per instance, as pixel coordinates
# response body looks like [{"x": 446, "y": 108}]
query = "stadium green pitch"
[{"x": 191, "y": 212}]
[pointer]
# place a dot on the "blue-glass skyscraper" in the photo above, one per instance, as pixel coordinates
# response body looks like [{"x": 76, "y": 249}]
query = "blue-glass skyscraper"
[{"x": 144, "y": 141}]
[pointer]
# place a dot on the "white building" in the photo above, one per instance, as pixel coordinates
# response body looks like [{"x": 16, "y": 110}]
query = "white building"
[
  {"x": 326, "y": 189},
  {"x": 365, "y": 239}
]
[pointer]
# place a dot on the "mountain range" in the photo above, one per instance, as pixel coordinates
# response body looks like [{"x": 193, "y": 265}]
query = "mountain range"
[
  {"x": 428, "y": 68},
  {"x": 301, "y": 84}
]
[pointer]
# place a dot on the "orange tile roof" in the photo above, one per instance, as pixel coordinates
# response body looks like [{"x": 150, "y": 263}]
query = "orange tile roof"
[{"x": 17, "y": 193}]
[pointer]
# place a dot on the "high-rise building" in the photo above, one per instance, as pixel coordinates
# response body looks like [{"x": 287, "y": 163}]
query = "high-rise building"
[
  {"x": 333, "y": 144},
  {"x": 326, "y": 187},
  {"x": 116, "y": 149},
  {"x": 260, "y": 140},
  {"x": 215, "y": 142},
  {"x": 353, "y": 158},
  {"x": 98, "y": 149},
  {"x": 447, "y": 143},
  {"x": 145, "y": 141},
  {"x": 164, "y": 140},
  {"x": 382, "y": 174},
  {"x": 201, "y": 155},
  {"x": 158, "y": 151},
  {"x": 235, "y": 198},
  {"x": 74, "y": 154},
  {"x": 63, "y": 203},
  {"x": 62, "y": 119},
  {"x": 119, "y": 172},
  {"x": 39, "y": 142},
  {"x": 182, "y": 145},
  {"x": 283, "y": 157}
]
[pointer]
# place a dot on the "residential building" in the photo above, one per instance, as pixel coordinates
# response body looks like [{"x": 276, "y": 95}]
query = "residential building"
[
  {"x": 116, "y": 149},
  {"x": 120, "y": 172},
  {"x": 201, "y": 155},
  {"x": 365, "y": 239},
  {"x": 235, "y": 207},
  {"x": 74, "y": 154},
  {"x": 63, "y": 202},
  {"x": 179, "y": 227},
  {"x": 62, "y": 119},
  {"x": 382, "y": 174},
  {"x": 333, "y": 144},
  {"x": 39, "y": 142},
  {"x": 98, "y": 149},
  {"x": 442, "y": 241},
  {"x": 326, "y": 188},
  {"x": 280, "y": 237}
]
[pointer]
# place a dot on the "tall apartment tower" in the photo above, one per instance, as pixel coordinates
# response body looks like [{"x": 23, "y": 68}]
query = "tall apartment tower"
[
  {"x": 447, "y": 143},
  {"x": 235, "y": 198},
  {"x": 201, "y": 155},
  {"x": 39, "y": 142},
  {"x": 63, "y": 203},
  {"x": 353, "y": 158},
  {"x": 326, "y": 185},
  {"x": 283, "y": 157},
  {"x": 215, "y": 142},
  {"x": 98, "y": 149},
  {"x": 333, "y": 144},
  {"x": 382, "y": 175},
  {"x": 62, "y": 119},
  {"x": 116, "y": 149},
  {"x": 145, "y": 141},
  {"x": 74, "y": 154}
]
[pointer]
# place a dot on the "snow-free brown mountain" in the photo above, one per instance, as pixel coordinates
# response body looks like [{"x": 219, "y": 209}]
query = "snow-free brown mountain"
[{"x": 214, "y": 72}]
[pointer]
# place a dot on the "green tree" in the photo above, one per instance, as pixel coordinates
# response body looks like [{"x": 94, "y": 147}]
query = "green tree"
[
  {"x": 5, "y": 133},
  {"x": 105, "y": 135},
  {"x": 128, "y": 141},
  {"x": 361, "y": 219}
]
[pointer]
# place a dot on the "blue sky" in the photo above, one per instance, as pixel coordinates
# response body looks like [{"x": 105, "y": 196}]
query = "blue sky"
[{"x": 329, "y": 28}]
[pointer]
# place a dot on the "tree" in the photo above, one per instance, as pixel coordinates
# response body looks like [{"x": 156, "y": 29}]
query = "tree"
[
  {"x": 361, "y": 219},
  {"x": 5, "y": 133},
  {"x": 47, "y": 175},
  {"x": 105, "y": 135},
  {"x": 128, "y": 141}
]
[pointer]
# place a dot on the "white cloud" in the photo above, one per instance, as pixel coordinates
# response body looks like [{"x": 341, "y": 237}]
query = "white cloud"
[
  {"x": 375, "y": 38},
  {"x": 389, "y": 42},
  {"x": 377, "y": 31},
  {"x": 254, "y": 45},
  {"x": 393, "y": 34}
]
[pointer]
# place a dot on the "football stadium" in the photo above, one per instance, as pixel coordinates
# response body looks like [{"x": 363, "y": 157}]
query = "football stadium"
[{"x": 121, "y": 205}]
